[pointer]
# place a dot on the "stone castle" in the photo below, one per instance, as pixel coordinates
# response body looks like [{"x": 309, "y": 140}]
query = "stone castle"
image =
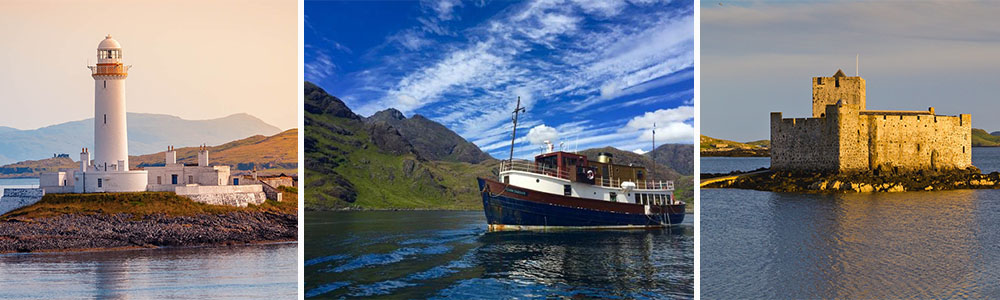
[{"x": 843, "y": 136}]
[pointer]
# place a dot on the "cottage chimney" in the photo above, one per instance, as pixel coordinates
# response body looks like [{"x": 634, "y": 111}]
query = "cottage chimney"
[
  {"x": 84, "y": 159},
  {"x": 171, "y": 156},
  {"x": 203, "y": 156}
]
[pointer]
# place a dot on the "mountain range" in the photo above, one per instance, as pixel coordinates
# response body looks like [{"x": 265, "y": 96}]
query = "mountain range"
[
  {"x": 389, "y": 161},
  {"x": 269, "y": 154},
  {"x": 147, "y": 133}
]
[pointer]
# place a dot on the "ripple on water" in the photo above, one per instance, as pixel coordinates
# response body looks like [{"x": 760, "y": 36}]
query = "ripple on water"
[
  {"x": 326, "y": 288},
  {"x": 399, "y": 255}
]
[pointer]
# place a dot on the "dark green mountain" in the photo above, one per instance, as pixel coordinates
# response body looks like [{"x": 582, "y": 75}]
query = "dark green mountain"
[
  {"x": 430, "y": 139},
  {"x": 388, "y": 161}
]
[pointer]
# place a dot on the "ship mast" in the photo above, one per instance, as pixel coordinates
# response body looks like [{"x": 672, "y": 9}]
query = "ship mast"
[
  {"x": 652, "y": 176},
  {"x": 517, "y": 110}
]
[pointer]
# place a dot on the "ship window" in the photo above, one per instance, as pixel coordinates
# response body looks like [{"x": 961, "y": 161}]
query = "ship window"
[
  {"x": 613, "y": 196},
  {"x": 100, "y": 182},
  {"x": 638, "y": 174},
  {"x": 506, "y": 179},
  {"x": 567, "y": 190}
]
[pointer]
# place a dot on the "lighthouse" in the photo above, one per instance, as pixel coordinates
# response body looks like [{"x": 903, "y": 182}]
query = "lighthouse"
[
  {"x": 109, "y": 171},
  {"x": 110, "y": 131}
]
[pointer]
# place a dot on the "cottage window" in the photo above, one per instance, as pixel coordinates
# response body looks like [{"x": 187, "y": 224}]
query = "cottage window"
[
  {"x": 190, "y": 179},
  {"x": 159, "y": 179},
  {"x": 100, "y": 182}
]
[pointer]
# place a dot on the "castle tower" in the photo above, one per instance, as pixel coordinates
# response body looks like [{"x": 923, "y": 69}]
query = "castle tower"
[
  {"x": 831, "y": 90},
  {"x": 110, "y": 133}
]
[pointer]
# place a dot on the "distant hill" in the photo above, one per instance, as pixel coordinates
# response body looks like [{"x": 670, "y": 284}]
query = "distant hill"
[
  {"x": 683, "y": 184},
  {"x": 679, "y": 157},
  {"x": 379, "y": 163},
  {"x": 430, "y": 139},
  {"x": 982, "y": 139},
  {"x": 147, "y": 133},
  {"x": 718, "y": 147},
  {"x": 271, "y": 155}
]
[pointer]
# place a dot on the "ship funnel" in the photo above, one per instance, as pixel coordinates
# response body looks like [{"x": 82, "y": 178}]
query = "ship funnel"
[
  {"x": 549, "y": 147},
  {"x": 604, "y": 157}
]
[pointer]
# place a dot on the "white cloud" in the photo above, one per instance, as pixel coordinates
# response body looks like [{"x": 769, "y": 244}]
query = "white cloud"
[
  {"x": 661, "y": 117},
  {"x": 639, "y": 151},
  {"x": 320, "y": 68},
  {"x": 671, "y": 124},
  {"x": 541, "y": 133}
]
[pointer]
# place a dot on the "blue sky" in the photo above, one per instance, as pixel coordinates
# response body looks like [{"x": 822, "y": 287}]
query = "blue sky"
[{"x": 591, "y": 73}]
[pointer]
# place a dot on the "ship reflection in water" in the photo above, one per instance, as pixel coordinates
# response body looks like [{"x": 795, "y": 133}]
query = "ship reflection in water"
[
  {"x": 266, "y": 271},
  {"x": 437, "y": 254}
]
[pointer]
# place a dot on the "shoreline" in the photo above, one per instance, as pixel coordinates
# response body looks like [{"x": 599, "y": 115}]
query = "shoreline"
[
  {"x": 123, "y": 231},
  {"x": 87, "y": 250},
  {"x": 868, "y": 182}
]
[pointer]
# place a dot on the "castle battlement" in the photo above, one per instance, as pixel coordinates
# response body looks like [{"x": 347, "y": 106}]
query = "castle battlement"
[{"x": 843, "y": 136}]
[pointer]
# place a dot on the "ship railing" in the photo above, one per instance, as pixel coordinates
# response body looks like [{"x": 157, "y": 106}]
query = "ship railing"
[
  {"x": 645, "y": 185},
  {"x": 532, "y": 168}
]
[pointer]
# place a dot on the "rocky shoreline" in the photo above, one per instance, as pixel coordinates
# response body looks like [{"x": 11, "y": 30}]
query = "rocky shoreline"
[
  {"x": 818, "y": 182},
  {"x": 736, "y": 152},
  {"x": 74, "y": 232}
]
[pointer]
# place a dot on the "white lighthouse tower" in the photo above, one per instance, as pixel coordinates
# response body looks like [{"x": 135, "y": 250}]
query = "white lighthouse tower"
[{"x": 109, "y": 171}]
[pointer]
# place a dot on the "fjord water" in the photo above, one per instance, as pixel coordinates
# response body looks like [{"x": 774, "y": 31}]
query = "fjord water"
[
  {"x": 449, "y": 254},
  {"x": 942, "y": 244}
]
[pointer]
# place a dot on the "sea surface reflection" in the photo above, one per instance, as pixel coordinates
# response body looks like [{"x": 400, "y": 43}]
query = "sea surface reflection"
[
  {"x": 444, "y": 254},
  {"x": 941, "y": 244}
]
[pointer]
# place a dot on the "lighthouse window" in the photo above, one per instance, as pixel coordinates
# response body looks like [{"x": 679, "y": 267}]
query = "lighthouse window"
[
  {"x": 105, "y": 118},
  {"x": 105, "y": 84}
]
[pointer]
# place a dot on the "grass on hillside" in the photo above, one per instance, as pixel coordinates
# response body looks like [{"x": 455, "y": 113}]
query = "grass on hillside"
[
  {"x": 710, "y": 143},
  {"x": 137, "y": 204},
  {"x": 379, "y": 178},
  {"x": 981, "y": 138}
]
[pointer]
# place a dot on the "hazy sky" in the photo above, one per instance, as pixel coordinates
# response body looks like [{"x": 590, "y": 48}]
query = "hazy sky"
[
  {"x": 192, "y": 59},
  {"x": 760, "y": 57},
  {"x": 591, "y": 73}
]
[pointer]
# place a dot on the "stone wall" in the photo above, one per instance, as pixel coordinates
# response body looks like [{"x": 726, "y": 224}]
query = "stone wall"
[
  {"x": 232, "y": 195},
  {"x": 15, "y": 198},
  {"x": 913, "y": 142},
  {"x": 803, "y": 143},
  {"x": 848, "y": 139}
]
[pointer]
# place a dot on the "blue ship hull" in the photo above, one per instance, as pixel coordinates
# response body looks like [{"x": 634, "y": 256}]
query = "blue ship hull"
[{"x": 521, "y": 209}]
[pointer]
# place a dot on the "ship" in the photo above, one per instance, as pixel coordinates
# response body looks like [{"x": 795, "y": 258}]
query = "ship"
[{"x": 566, "y": 190}]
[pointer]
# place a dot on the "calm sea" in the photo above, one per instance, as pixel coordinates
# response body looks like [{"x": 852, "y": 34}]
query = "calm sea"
[
  {"x": 447, "y": 254},
  {"x": 943, "y": 244},
  {"x": 267, "y": 271}
]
